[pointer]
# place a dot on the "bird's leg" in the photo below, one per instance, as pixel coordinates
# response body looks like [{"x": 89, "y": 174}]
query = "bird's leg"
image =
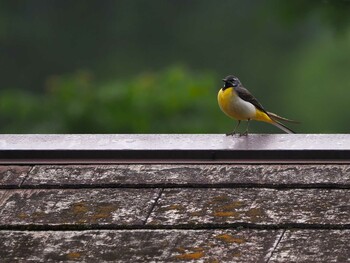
[
  {"x": 234, "y": 131},
  {"x": 246, "y": 131}
]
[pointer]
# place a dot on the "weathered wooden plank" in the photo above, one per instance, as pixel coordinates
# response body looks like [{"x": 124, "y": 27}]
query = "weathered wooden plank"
[
  {"x": 197, "y": 207},
  {"x": 64, "y": 175},
  {"x": 12, "y": 176},
  {"x": 313, "y": 246},
  {"x": 76, "y": 206},
  {"x": 193, "y": 174},
  {"x": 176, "y": 246},
  {"x": 138, "y": 246}
]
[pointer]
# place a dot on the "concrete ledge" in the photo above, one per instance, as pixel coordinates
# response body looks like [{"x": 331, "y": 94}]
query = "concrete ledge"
[{"x": 174, "y": 147}]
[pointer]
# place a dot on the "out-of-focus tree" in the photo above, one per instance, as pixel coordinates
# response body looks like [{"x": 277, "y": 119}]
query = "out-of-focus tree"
[
  {"x": 334, "y": 13},
  {"x": 174, "y": 101},
  {"x": 290, "y": 54}
]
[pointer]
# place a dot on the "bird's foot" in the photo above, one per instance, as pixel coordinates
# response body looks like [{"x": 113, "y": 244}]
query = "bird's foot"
[
  {"x": 244, "y": 133},
  {"x": 230, "y": 133}
]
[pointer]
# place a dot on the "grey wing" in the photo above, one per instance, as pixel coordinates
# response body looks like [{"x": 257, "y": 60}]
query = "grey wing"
[{"x": 244, "y": 94}]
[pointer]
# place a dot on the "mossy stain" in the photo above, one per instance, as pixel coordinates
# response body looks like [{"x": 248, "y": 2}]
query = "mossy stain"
[
  {"x": 254, "y": 212},
  {"x": 220, "y": 198},
  {"x": 230, "y": 239},
  {"x": 22, "y": 215},
  {"x": 226, "y": 213},
  {"x": 231, "y": 206},
  {"x": 191, "y": 256},
  {"x": 73, "y": 255},
  {"x": 103, "y": 212},
  {"x": 80, "y": 208}
]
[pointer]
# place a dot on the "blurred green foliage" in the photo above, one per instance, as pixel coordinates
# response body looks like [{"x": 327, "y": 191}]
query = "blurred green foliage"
[
  {"x": 89, "y": 66},
  {"x": 174, "y": 101}
]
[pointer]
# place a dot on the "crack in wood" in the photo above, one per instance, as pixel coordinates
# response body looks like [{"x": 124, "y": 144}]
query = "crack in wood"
[
  {"x": 80, "y": 227},
  {"x": 163, "y": 186},
  {"x": 153, "y": 206},
  {"x": 274, "y": 247},
  {"x": 26, "y": 176}
]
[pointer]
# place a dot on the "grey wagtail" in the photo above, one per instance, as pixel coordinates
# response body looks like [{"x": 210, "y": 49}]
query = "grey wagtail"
[{"x": 238, "y": 103}]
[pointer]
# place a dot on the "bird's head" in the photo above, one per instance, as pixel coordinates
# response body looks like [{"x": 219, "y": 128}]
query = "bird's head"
[{"x": 230, "y": 82}]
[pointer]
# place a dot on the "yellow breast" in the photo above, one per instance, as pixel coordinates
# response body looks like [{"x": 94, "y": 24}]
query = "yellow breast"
[
  {"x": 233, "y": 106},
  {"x": 224, "y": 99}
]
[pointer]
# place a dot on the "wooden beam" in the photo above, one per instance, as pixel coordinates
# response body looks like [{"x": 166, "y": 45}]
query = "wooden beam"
[
  {"x": 176, "y": 208},
  {"x": 138, "y": 246},
  {"x": 185, "y": 175},
  {"x": 13, "y": 176},
  {"x": 246, "y": 245},
  {"x": 313, "y": 246},
  {"x": 253, "y": 207},
  {"x": 80, "y": 208}
]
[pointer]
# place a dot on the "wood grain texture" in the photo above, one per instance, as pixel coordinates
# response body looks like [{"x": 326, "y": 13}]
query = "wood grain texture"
[
  {"x": 195, "y": 207},
  {"x": 313, "y": 246},
  {"x": 138, "y": 246},
  {"x": 194, "y": 196},
  {"x": 78, "y": 207},
  {"x": 12, "y": 176},
  {"x": 190, "y": 175}
]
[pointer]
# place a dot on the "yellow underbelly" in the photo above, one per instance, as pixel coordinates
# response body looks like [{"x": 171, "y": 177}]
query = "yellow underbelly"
[{"x": 238, "y": 109}]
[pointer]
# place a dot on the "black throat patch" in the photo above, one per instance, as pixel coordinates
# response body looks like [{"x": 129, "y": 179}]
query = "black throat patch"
[{"x": 227, "y": 85}]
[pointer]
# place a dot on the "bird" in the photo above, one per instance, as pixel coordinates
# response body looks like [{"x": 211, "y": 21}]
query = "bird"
[{"x": 238, "y": 103}]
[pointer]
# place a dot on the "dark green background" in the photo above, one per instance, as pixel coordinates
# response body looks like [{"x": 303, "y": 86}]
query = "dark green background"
[{"x": 156, "y": 66}]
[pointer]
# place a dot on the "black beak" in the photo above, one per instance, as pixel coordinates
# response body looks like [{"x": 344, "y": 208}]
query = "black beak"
[{"x": 224, "y": 80}]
